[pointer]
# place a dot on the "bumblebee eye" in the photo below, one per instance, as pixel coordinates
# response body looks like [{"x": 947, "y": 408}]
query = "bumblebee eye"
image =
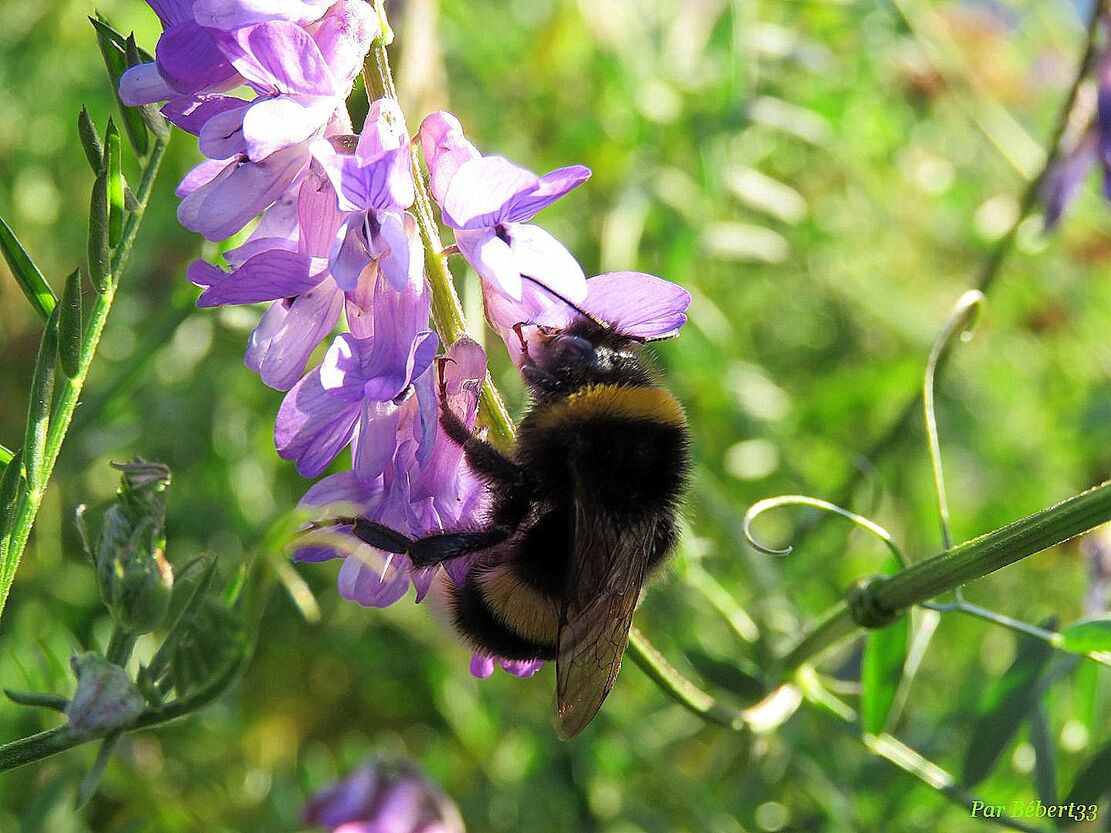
[{"x": 568, "y": 349}]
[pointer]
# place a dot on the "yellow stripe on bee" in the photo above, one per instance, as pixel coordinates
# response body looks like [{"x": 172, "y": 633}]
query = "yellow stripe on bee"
[
  {"x": 650, "y": 404},
  {"x": 521, "y": 608}
]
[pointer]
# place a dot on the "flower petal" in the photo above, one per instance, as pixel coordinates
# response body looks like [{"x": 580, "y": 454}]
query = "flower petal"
[
  {"x": 221, "y": 207},
  {"x": 189, "y": 59},
  {"x": 539, "y": 256},
  {"x": 221, "y": 135},
  {"x": 313, "y": 426},
  {"x": 275, "y": 123},
  {"x": 350, "y": 254},
  {"x": 142, "y": 84},
  {"x": 445, "y": 149},
  {"x": 317, "y": 214},
  {"x": 375, "y": 438},
  {"x": 483, "y": 190},
  {"x": 481, "y": 666},
  {"x": 637, "y": 304},
  {"x": 191, "y": 114},
  {"x": 344, "y": 35},
  {"x": 233, "y": 14},
  {"x": 392, "y": 247},
  {"x": 281, "y": 58},
  {"x": 266, "y": 276},
  {"x": 201, "y": 174},
  {"x": 287, "y": 333},
  {"x": 552, "y": 186},
  {"x": 360, "y": 582},
  {"x": 492, "y": 258}
]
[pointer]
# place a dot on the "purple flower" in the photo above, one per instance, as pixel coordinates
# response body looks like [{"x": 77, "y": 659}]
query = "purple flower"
[
  {"x": 285, "y": 261},
  {"x": 633, "y": 303},
  {"x": 488, "y": 201},
  {"x": 378, "y": 798},
  {"x": 300, "y": 79},
  {"x": 425, "y": 488},
  {"x": 356, "y": 394},
  {"x": 375, "y": 186}
]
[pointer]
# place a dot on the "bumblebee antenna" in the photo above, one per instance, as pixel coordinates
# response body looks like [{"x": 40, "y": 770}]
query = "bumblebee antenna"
[{"x": 605, "y": 325}]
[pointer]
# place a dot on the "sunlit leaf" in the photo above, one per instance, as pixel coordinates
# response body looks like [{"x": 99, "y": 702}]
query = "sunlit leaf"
[
  {"x": 1088, "y": 636},
  {"x": 885, "y": 653},
  {"x": 26, "y": 273}
]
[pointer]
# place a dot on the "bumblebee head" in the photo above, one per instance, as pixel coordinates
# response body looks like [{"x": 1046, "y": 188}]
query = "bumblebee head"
[{"x": 587, "y": 352}]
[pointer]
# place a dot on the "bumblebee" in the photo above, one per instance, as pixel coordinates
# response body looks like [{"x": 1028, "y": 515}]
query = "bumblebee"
[{"x": 581, "y": 513}]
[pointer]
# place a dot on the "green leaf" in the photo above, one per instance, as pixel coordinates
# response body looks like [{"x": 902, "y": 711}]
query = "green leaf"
[
  {"x": 90, "y": 140},
  {"x": 91, "y": 781},
  {"x": 1045, "y": 756},
  {"x": 1088, "y": 636},
  {"x": 42, "y": 396},
  {"x": 113, "y": 48},
  {"x": 9, "y": 491},
  {"x": 1003, "y": 706},
  {"x": 99, "y": 269},
  {"x": 1094, "y": 781},
  {"x": 26, "y": 273},
  {"x": 885, "y": 654},
  {"x": 70, "y": 333},
  {"x": 115, "y": 184},
  {"x": 6, "y": 455},
  {"x": 54, "y": 702},
  {"x": 738, "y": 676}
]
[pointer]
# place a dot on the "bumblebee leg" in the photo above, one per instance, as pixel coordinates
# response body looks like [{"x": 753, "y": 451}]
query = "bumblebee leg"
[
  {"x": 436, "y": 549},
  {"x": 485, "y": 460},
  {"x": 373, "y": 533}
]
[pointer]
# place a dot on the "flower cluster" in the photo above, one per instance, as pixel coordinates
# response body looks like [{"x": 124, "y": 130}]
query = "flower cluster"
[
  {"x": 335, "y": 247},
  {"x": 378, "y": 798}
]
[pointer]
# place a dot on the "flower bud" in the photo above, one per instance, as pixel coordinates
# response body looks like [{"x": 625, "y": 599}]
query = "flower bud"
[
  {"x": 105, "y": 699},
  {"x": 134, "y": 577}
]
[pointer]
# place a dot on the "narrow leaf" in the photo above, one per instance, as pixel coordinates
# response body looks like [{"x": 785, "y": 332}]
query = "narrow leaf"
[
  {"x": 90, "y": 140},
  {"x": 6, "y": 455},
  {"x": 113, "y": 47},
  {"x": 885, "y": 654},
  {"x": 42, "y": 396},
  {"x": 1088, "y": 636},
  {"x": 55, "y": 702},
  {"x": 9, "y": 492},
  {"x": 26, "y": 273},
  {"x": 105, "y": 29},
  {"x": 69, "y": 326},
  {"x": 1045, "y": 757},
  {"x": 1004, "y": 705},
  {"x": 91, "y": 781},
  {"x": 1094, "y": 781},
  {"x": 99, "y": 234},
  {"x": 114, "y": 167}
]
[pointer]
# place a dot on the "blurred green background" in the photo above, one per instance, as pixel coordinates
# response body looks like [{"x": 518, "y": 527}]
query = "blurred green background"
[{"x": 826, "y": 177}]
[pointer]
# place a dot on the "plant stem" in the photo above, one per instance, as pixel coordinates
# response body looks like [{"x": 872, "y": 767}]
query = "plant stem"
[
  {"x": 447, "y": 311},
  {"x": 989, "y": 271},
  {"x": 69, "y": 390},
  {"x": 957, "y": 566}
]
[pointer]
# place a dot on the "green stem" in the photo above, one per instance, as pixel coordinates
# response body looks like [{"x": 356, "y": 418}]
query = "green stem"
[
  {"x": 59, "y": 739},
  {"x": 989, "y": 271},
  {"x": 957, "y": 566},
  {"x": 447, "y": 311},
  {"x": 69, "y": 391}
]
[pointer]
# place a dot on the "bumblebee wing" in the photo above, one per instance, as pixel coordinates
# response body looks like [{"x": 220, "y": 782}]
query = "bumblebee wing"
[{"x": 608, "y": 567}]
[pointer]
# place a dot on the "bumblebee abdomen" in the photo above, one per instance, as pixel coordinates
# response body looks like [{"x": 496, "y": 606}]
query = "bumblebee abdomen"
[{"x": 502, "y": 616}]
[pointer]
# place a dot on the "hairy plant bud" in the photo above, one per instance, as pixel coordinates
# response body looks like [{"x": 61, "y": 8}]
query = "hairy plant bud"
[
  {"x": 134, "y": 577},
  {"x": 105, "y": 699}
]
